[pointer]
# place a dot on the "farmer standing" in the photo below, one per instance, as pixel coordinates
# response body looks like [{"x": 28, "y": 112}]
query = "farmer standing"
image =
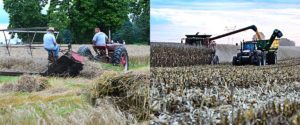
[
  {"x": 100, "y": 39},
  {"x": 50, "y": 43}
]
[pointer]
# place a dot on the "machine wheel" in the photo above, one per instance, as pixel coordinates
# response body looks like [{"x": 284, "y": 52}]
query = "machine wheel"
[
  {"x": 214, "y": 60},
  {"x": 85, "y": 51},
  {"x": 217, "y": 60},
  {"x": 252, "y": 60},
  {"x": 263, "y": 60},
  {"x": 273, "y": 59},
  {"x": 259, "y": 61},
  {"x": 234, "y": 61},
  {"x": 121, "y": 57},
  {"x": 240, "y": 60}
]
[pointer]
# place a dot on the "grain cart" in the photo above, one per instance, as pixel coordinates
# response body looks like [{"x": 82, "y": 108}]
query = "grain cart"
[
  {"x": 258, "y": 52},
  {"x": 208, "y": 41}
]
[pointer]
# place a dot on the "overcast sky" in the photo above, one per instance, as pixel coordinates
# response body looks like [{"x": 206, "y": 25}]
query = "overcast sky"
[{"x": 171, "y": 20}]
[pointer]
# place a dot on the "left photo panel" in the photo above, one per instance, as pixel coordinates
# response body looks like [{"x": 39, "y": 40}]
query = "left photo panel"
[{"x": 75, "y": 62}]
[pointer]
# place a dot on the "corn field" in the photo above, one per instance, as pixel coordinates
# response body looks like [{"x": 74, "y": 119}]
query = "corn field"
[{"x": 174, "y": 55}]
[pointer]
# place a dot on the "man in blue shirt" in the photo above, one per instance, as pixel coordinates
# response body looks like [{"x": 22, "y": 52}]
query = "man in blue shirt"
[
  {"x": 100, "y": 39},
  {"x": 50, "y": 42}
]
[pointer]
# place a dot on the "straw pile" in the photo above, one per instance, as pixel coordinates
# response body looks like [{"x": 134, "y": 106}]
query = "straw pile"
[
  {"x": 129, "y": 91},
  {"x": 91, "y": 69},
  {"x": 173, "y": 55},
  {"x": 27, "y": 83}
]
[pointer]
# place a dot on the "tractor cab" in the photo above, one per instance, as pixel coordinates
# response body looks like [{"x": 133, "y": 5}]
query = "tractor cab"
[
  {"x": 248, "y": 48},
  {"x": 197, "y": 40}
]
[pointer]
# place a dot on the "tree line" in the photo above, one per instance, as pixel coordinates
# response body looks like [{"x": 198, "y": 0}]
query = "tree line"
[{"x": 127, "y": 20}]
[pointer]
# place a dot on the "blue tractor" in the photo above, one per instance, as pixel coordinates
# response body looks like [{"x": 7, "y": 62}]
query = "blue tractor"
[{"x": 258, "y": 52}]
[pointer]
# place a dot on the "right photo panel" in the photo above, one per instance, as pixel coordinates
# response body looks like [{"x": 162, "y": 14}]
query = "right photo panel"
[{"x": 225, "y": 62}]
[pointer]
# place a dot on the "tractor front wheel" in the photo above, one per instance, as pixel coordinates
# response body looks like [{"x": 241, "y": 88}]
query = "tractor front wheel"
[
  {"x": 121, "y": 57},
  {"x": 234, "y": 62}
]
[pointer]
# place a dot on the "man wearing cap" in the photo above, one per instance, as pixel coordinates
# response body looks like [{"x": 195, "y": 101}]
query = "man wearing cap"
[
  {"x": 50, "y": 42},
  {"x": 100, "y": 39}
]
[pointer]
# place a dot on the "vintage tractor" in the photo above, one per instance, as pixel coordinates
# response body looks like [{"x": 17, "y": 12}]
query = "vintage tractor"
[
  {"x": 207, "y": 41},
  {"x": 117, "y": 54},
  {"x": 258, "y": 52}
]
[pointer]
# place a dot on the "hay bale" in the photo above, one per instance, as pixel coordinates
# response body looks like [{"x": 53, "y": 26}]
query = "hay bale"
[
  {"x": 91, "y": 69},
  {"x": 129, "y": 91},
  {"x": 174, "y": 55},
  {"x": 27, "y": 83},
  {"x": 6, "y": 87}
]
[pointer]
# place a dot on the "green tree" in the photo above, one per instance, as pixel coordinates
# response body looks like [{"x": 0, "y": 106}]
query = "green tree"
[
  {"x": 137, "y": 30},
  {"x": 105, "y": 14},
  {"x": 24, "y": 14},
  {"x": 141, "y": 19},
  {"x": 58, "y": 14}
]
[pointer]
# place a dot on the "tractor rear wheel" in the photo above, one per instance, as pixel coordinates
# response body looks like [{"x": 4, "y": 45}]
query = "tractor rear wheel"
[
  {"x": 85, "y": 51},
  {"x": 121, "y": 57},
  {"x": 252, "y": 60}
]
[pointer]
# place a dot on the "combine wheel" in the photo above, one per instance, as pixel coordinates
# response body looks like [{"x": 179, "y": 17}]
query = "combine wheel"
[
  {"x": 217, "y": 60},
  {"x": 121, "y": 57},
  {"x": 85, "y": 51}
]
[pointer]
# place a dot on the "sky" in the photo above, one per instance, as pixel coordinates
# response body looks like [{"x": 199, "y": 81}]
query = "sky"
[{"x": 171, "y": 20}]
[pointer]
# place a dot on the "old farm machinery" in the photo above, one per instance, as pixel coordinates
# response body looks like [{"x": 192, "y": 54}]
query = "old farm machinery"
[
  {"x": 208, "y": 41},
  {"x": 117, "y": 54},
  {"x": 69, "y": 64}
]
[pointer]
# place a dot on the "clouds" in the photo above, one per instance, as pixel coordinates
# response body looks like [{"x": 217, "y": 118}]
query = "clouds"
[{"x": 209, "y": 20}]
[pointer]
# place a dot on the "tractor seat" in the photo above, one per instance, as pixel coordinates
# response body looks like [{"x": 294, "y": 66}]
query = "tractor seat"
[{"x": 100, "y": 47}]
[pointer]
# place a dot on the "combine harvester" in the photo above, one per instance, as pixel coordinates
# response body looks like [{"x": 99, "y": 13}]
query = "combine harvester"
[
  {"x": 207, "y": 41},
  {"x": 258, "y": 52}
]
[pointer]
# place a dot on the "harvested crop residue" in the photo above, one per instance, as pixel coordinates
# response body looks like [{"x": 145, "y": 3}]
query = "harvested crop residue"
[{"x": 226, "y": 94}]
